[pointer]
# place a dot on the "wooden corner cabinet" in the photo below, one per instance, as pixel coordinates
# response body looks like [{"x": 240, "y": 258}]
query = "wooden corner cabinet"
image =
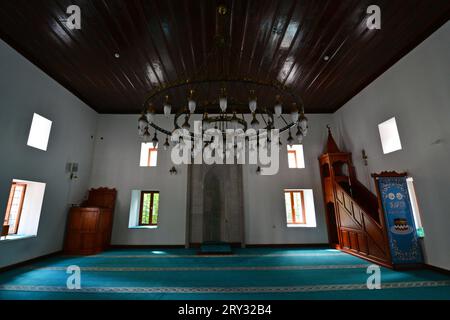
[{"x": 89, "y": 227}]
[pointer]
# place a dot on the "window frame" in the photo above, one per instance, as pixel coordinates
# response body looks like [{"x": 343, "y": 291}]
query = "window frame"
[
  {"x": 149, "y": 161},
  {"x": 299, "y": 156},
  {"x": 292, "y": 202},
  {"x": 293, "y": 152},
  {"x": 141, "y": 206},
  {"x": 12, "y": 191}
]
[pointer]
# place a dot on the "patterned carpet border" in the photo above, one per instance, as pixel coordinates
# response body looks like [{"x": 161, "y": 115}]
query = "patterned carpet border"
[
  {"x": 160, "y": 269},
  {"x": 143, "y": 256},
  {"x": 295, "y": 289}
]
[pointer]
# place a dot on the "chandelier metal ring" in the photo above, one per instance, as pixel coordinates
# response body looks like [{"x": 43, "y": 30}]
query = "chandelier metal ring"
[{"x": 159, "y": 91}]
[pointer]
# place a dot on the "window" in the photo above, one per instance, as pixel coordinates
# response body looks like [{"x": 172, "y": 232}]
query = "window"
[
  {"x": 300, "y": 211},
  {"x": 415, "y": 207},
  {"x": 148, "y": 213},
  {"x": 149, "y": 155},
  {"x": 295, "y": 207},
  {"x": 39, "y": 132},
  {"x": 14, "y": 207},
  {"x": 295, "y": 157},
  {"x": 390, "y": 139},
  {"x": 23, "y": 209}
]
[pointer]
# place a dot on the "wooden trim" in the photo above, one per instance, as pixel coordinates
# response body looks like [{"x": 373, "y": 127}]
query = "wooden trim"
[
  {"x": 291, "y": 245},
  {"x": 302, "y": 195},
  {"x": 19, "y": 213},
  {"x": 8, "y": 207},
  {"x": 147, "y": 246},
  {"x": 293, "y": 212},
  {"x": 150, "y": 150},
  {"x": 29, "y": 261},
  {"x": 437, "y": 269},
  {"x": 293, "y": 207},
  {"x": 389, "y": 174},
  {"x": 294, "y": 152},
  {"x": 15, "y": 227},
  {"x": 152, "y": 193},
  {"x": 197, "y": 245},
  {"x": 366, "y": 257}
]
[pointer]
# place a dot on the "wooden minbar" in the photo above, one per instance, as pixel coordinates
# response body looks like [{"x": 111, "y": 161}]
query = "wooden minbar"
[
  {"x": 355, "y": 223},
  {"x": 89, "y": 227}
]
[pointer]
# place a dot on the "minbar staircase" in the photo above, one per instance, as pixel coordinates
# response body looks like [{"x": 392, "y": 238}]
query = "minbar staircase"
[{"x": 355, "y": 223}]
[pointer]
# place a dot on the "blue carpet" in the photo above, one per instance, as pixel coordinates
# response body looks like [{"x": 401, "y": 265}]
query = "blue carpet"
[
  {"x": 215, "y": 247},
  {"x": 246, "y": 274}
]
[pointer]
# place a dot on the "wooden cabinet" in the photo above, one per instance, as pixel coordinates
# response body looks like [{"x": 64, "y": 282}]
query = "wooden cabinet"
[{"x": 89, "y": 227}]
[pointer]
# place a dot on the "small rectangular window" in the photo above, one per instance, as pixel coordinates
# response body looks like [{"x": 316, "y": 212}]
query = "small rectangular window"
[
  {"x": 415, "y": 207},
  {"x": 295, "y": 157},
  {"x": 300, "y": 210},
  {"x": 14, "y": 207},
  {"x": 39, "y": 132},
  {"x": 149, "y": 155},
  {"x": 148, "y": 213},
  {"x": 295, "y": 207},
  {"x": 390, "y": 138},
  {"x": 23, "y": 209}
]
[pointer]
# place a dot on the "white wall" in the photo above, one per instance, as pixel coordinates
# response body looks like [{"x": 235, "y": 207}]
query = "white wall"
[
  {"x": 116, "y": 164},
  {"x": 416, "y": 91},
  {"x": 24, "y": 89},
  {"x": 264, "y": 205}
]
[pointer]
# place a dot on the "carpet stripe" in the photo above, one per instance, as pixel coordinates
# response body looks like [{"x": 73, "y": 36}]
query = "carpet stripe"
[
  {"x": 190, "y": 290},
  {"x": 160, "y": 269},
  {"x": 210, "y": 255}
]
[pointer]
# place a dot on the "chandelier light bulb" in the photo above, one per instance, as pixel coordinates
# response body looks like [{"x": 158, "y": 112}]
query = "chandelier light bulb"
[
  {"x": 155, "y": 141},
  {"x": 150, "y": 114},
  {"x": 252, "y": 103},
  {"x": 167, "y": 110},
  {"x": 290, "y": 140},
  {"x": 192, "y": 105},
  {"x": 167, "y": 107},
  {"x": 278, "y": 109},
  {"x": 303, "y": 122},
  {"x": 299, "y": 134},
  {"x": 146, "y": 135},
  {"x": 166, "y": 144},
  {"x": 294, "y": 116},
  {"x": 234, "y": 119},
  {"x": 186, "y": 124},
  {"x": 255, "y": 123},
  {"x": 223, "y": 102},
  {"x": 305, "y": 131},
  {"x": 142, "y": 123}
]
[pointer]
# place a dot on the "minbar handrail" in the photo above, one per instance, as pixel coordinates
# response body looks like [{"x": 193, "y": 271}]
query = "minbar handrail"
[{"x": 363, "y": 209}]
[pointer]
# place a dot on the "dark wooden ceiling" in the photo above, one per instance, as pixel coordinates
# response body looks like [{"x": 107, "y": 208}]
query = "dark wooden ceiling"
[{"x": 163, "y": 42}]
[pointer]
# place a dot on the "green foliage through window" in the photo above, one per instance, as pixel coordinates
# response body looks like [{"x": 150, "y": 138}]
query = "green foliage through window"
[{"x": 149, "y": 208}]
